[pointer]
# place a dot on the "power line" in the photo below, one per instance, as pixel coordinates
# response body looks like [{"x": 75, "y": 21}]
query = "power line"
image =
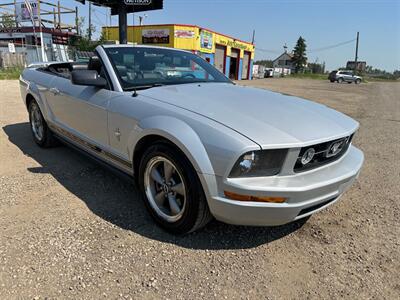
[
  {"x": 331, "y": 46},
  {"x": 309, "y": 51},
  {"x": 268, "y": 50}
]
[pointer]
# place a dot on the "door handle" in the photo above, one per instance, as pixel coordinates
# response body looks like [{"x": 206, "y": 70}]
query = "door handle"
[{"x": 55, "y": 91}]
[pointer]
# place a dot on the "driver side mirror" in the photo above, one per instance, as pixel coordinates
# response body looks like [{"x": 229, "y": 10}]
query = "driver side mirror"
[{"x": 87, "y": 78}]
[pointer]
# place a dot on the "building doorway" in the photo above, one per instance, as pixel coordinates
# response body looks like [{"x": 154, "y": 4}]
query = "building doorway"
[
  {"x": 246, "y": 65},
  {"x": 219, "y": 58},
  {"x": 234, "y": 64}
]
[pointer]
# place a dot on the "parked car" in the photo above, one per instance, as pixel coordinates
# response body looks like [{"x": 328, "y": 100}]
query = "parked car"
[
  {"x": 344, "y": 76},
  {"x": 269, "y": 72},
  {"x": 197, "y": 145}
]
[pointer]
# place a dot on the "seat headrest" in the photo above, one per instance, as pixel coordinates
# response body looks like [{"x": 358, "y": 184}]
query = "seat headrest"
[
  {"x": 94, "y": 64},
  {"x": 122, "y": 70}
]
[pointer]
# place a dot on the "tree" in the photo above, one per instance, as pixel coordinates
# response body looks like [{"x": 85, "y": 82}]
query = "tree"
[
  {"x": 299, "y": 55},
  {"x": 7, "y": 21},
  {"x": 316, "y": 68},
  {"x": 82, "y": 41}
]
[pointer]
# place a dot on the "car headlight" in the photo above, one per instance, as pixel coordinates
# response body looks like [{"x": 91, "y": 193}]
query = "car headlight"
[{"x": 259, "y": 163}]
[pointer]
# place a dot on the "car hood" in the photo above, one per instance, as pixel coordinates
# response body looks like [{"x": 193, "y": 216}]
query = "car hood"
[{"x": 268, "y": 118}]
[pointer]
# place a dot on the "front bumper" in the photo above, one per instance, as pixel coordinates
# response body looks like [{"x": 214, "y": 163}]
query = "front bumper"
[{"x": 306, "y": 193}]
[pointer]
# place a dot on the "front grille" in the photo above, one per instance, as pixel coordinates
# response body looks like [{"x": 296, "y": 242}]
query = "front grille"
[{"x": 323, "y": 154}]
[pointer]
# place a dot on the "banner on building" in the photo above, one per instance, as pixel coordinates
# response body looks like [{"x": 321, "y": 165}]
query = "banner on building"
[
  {"x": 155, "y": 36},
  {"x": 184, "y": 34},
  {"x": 206, "y": 40},
  {"x": 26, "y": 11}
]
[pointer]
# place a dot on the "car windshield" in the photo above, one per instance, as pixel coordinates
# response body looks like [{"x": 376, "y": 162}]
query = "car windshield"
[{"x": 141, "y": 67}]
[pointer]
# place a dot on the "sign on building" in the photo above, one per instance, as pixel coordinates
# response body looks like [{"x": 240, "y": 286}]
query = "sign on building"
[
  {"x": 26, "y": 11},
  {"x": 184, "y": 34},
  {"x": 137, "y": 2},
  {"x": 11, "y": 47},
  {"x": 155, "y": 36}
]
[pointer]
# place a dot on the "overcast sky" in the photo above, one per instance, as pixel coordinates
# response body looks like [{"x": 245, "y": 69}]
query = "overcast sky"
[{"x": 322, "y": 23}]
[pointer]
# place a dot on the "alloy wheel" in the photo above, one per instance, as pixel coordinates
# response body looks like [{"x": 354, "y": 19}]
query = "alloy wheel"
[
  {"x": 37, "y": 122},
  {"x": 165, "y": 189}
]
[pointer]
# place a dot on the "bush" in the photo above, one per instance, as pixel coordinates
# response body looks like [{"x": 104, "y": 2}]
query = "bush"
[
  {"x": 10, "y": 73},
  {"x": 309, "y": 76}
]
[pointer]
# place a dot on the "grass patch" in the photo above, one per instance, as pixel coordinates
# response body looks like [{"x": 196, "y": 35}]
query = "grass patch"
[
  {"x": 309, "y": 76},
  {"x": 11, "y": 73},
  {"x": 380, "y": 79}
]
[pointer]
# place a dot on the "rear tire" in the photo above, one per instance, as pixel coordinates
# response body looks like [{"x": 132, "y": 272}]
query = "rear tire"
[
  {"x": 171, "y": 190},
  {"x": 331, "y": 80},
  {"x": 41, "y": 133}
]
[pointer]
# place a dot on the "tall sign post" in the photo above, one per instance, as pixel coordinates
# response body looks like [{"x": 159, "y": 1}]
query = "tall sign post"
[{"x": 122, "y": 8}]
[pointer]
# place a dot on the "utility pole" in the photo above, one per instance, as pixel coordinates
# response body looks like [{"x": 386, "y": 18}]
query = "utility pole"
[
  {"x": 254, "y": 35},
  {"x": 90, "y": 21},
  {"x": 356, "y": 57}
]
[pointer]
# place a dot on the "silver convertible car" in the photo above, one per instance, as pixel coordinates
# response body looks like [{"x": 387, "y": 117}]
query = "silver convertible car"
[{"x": 197, "y": 145}]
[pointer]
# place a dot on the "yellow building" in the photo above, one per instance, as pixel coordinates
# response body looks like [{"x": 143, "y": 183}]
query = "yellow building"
[{"x": 231, "y": 56}]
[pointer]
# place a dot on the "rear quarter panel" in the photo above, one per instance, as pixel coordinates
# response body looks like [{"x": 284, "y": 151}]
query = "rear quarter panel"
[{"x": 37, "y": 84}]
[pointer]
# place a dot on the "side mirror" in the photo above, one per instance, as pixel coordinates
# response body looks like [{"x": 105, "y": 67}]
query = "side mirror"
[{"x": 87, "y": 78}]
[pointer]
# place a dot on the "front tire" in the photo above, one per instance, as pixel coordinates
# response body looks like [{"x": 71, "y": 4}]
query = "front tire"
[
  {"x": 340, "y": 80},
  {"x": 358, "y": 81},
  {"x": 41, "y": 133},
  {"x": 171, "y": 190}
]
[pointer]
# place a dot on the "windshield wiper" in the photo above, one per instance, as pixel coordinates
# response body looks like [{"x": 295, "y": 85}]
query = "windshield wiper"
[{"x": 143, "y": 87}]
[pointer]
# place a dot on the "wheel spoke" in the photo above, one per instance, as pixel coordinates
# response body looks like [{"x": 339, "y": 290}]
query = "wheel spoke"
[
  {"x": 157, "y": 176},
  {"x": 37, "y": 116},
  {"x": 173, "y": 205},
  {"x": 179, "y": 188},
  {"x": 40, "y": 131},
  {"x": 160, "y": 198},
  {"x": 168, "y": 170}
]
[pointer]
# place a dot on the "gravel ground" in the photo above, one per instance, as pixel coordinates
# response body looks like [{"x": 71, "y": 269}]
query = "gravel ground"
[{"x": 71, "y": 229}]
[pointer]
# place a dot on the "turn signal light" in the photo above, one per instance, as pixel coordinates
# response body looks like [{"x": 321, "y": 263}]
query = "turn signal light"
[{"x": 239, "y": 197}]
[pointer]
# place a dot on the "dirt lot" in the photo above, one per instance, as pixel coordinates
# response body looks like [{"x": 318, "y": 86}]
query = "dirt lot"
[{"x": 70, "y": 229}]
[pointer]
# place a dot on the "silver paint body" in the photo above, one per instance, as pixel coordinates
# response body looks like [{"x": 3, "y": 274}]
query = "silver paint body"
[{"x": 213, "y": 124}]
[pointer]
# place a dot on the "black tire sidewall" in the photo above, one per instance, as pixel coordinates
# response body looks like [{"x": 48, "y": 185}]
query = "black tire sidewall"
[{"x": 194, "y": 191}]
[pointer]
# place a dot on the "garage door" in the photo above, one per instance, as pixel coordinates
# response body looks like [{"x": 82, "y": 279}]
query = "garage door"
[
  {"x": 246, "y": 65},
  {"x": 219, "y": 61}
]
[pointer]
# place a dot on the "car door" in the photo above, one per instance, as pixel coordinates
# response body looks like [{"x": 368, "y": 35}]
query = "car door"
[
  {"x": 349, "y": 76},
  {"x": 81, "y": 110}
]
